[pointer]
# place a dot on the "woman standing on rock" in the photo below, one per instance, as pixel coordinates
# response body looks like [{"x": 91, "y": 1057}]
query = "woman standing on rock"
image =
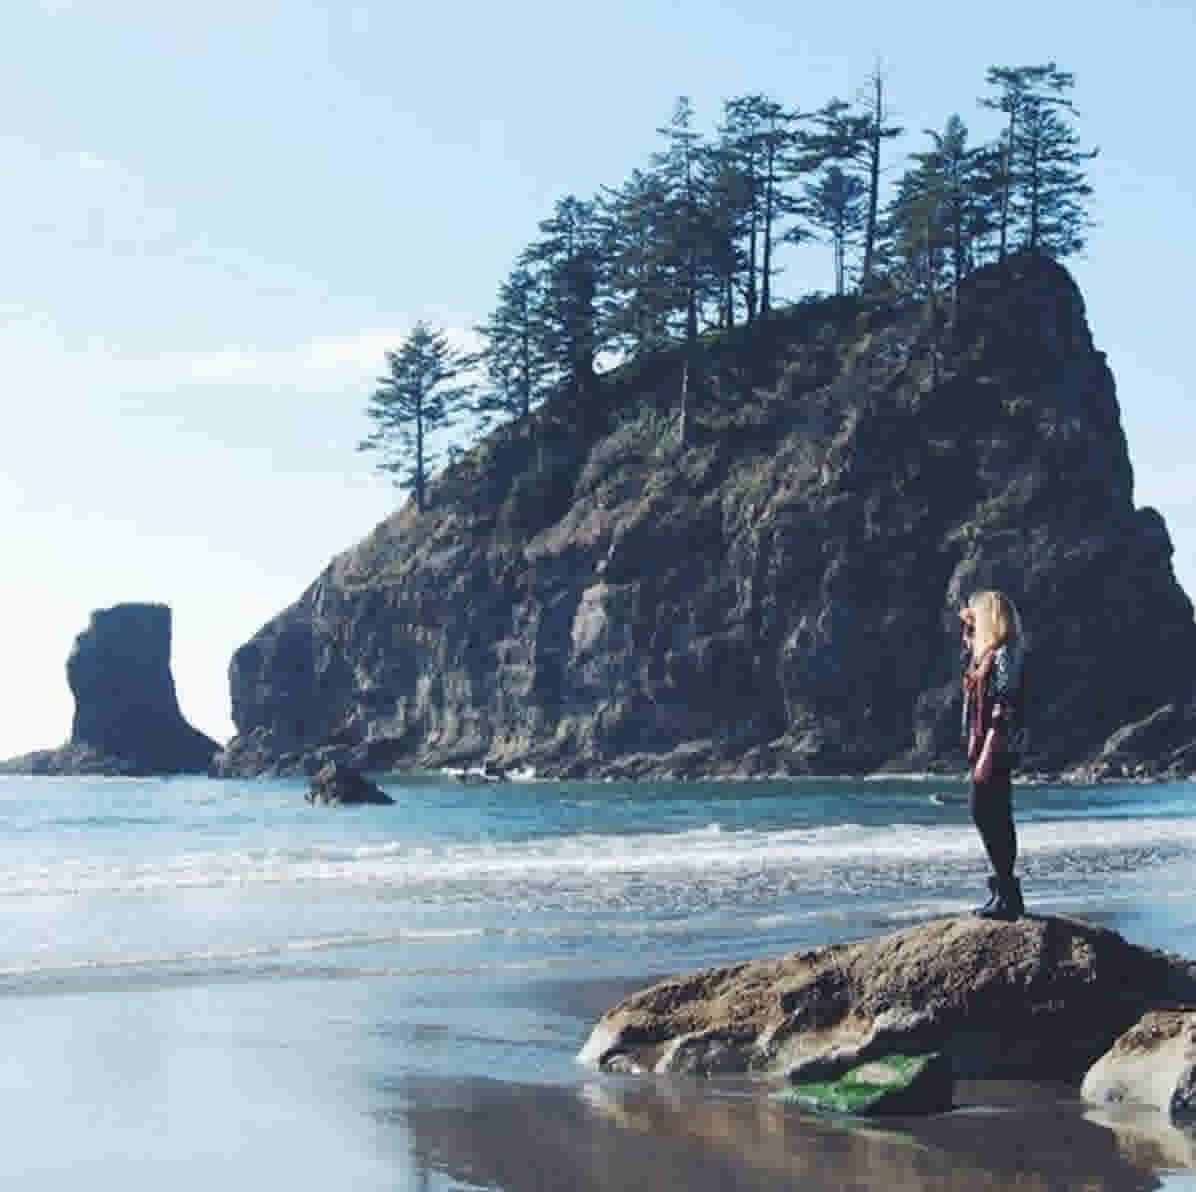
[{"x": 992, "y": 696}]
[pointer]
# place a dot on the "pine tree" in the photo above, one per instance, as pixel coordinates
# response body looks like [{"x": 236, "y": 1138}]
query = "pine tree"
[
  {"x": 951, "y": 177},
  {"x": 920, "y": 225},
  {"x": 729, "y": 223},
  {"x": 772, "y": 127},
  {"x": 1049, "y": 202},
  {"x": 1043, "y": 186},
  {"x": 689, "y": 239},
  {"x": 515, "y": 366},
  {"x": 685, "y": 231},
  {"x": 835, "y": 203},
  {"x": 1014, "y": 83},
  {"x": 856, "y": 139},
  {"x": 876, "y": 131},
  {"x": 736, "y": 170},
  {"x": 986, "y": 181},
  {"x": 414, "y": 400},
  {"x": 636, "y": 311},
  {"x": 569, "y": 265}
]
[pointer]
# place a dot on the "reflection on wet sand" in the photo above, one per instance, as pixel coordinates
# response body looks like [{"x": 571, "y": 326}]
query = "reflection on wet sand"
[{"x": 607, "y": 1134}]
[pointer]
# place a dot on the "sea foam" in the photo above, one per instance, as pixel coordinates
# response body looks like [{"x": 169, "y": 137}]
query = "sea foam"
[{"x": 589, "y": 858}]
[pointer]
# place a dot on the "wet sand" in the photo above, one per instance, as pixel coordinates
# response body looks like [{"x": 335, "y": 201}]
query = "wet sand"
[
  {"x": 595, "y": 1132},
  {"x": 606, "y": 1133}
]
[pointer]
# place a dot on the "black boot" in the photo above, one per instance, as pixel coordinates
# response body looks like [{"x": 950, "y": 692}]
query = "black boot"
[
  {"x": 992, "y": 899},
  {"x": 1009, "y": 905},
  {"x": 1013, "y": 894}
]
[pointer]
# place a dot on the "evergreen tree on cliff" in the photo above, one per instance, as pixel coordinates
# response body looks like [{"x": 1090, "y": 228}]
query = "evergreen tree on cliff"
[
  {"x": 955, "y": 164},
  {"x": 636, "y": 310},
  {"x": 758, "y": 136},
  {"x": 937, "y": 215},
  {"x": 876, "y": 132},
  {"x": 689, "y": 240},
  {"x": 857, "y": 138},
  {"x": 415, "y": 399},
  {"x": 730, "y": 217},
  {"x": 835, "y": 203},
  {"x": 685, "y": 227},
  {"x": 1043, "y": 186},
  {"x": 735, "y": 173},
  {"x": 920, "y": 223},
  {"x": 1051, "y": 200},
  {"x": 516, "y": 367},
  {"x": 569, "y": 265}
]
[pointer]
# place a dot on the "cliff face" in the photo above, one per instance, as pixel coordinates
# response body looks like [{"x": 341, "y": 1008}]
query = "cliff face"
[
  {"x": 779, "y": 595},
  {"x": 127, "y": 718}
]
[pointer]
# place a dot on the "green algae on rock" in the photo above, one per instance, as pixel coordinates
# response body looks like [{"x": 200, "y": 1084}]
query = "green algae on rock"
[{"x": 898, "y": 1084}]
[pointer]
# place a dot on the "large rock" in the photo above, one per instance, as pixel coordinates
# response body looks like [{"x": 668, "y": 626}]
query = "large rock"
[
  {"x": 779, "y": 597},
  {"x": 1040, "y": 998},
  {"x": 1152, "y": 1064},
  {"x": 1161, "y": 744},
  {"x": 338, "y": 785},
  {"x": 127, "y": 718}
]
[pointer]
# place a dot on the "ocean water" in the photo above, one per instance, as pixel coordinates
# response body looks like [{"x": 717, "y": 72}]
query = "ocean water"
[{"x": 204, "y": 979}]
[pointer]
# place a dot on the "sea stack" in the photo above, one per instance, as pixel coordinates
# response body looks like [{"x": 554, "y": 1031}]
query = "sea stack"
[
  {"x": 127, "y": 718},
  {"x": 591, "y": 595}
]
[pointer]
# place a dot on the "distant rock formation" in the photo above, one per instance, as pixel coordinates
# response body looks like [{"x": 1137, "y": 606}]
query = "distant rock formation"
[
  {"x": 127, "y": 718},
  {"x": 1041, "y": 998},
  {"x": 585, "y": 596},
  {"x": 339, "y": 785}
]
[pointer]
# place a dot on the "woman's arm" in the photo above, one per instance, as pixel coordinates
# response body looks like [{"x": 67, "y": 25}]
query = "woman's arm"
[{"x": 983, "y": 768}]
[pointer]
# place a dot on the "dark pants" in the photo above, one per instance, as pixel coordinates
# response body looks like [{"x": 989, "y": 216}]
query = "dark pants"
[{"x": 992, "y": 813}]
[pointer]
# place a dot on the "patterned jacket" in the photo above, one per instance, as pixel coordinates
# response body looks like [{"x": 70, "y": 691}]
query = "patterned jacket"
[{"x": 995, "y": 700}]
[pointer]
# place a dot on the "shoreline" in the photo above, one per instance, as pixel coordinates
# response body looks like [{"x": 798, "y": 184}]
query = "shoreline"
[{"x": 13, "y": 768}]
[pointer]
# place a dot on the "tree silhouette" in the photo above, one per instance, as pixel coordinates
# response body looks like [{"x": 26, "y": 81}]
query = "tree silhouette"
[
  {"x": 836, "y": 205},
  {"x": 416, "y": 398},
  {"x": 1042, "y": 179},
  {"x": 516, "y": 367}
]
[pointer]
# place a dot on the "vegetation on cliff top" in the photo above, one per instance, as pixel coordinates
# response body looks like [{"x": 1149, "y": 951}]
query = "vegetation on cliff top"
[{"x": 688, "y": 247}]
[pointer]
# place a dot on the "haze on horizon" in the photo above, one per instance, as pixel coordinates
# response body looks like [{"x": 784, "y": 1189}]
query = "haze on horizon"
[{"x": 218, "y": 220}]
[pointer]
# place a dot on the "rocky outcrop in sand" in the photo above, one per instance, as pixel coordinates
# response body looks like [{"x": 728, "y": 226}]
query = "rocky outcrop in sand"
[
  {"x": 1040, "y": 998},
  {"x": 1153, "y": 1064},
  {"x": 127, "y": 718}
]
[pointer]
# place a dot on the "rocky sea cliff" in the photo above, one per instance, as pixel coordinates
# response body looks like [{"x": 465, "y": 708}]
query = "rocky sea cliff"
[{"x": 590, "y": 596}]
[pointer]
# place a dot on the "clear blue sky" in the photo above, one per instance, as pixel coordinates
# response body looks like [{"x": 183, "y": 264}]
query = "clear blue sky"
[{"x": 215, "y": 218}]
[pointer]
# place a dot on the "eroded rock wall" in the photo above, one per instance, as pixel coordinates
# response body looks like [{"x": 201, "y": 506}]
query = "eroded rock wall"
[{"x": 779, "y": 596}]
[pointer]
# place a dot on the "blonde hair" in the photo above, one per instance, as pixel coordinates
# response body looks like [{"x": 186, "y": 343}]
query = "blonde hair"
[{"x": 997, "y": 622}]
